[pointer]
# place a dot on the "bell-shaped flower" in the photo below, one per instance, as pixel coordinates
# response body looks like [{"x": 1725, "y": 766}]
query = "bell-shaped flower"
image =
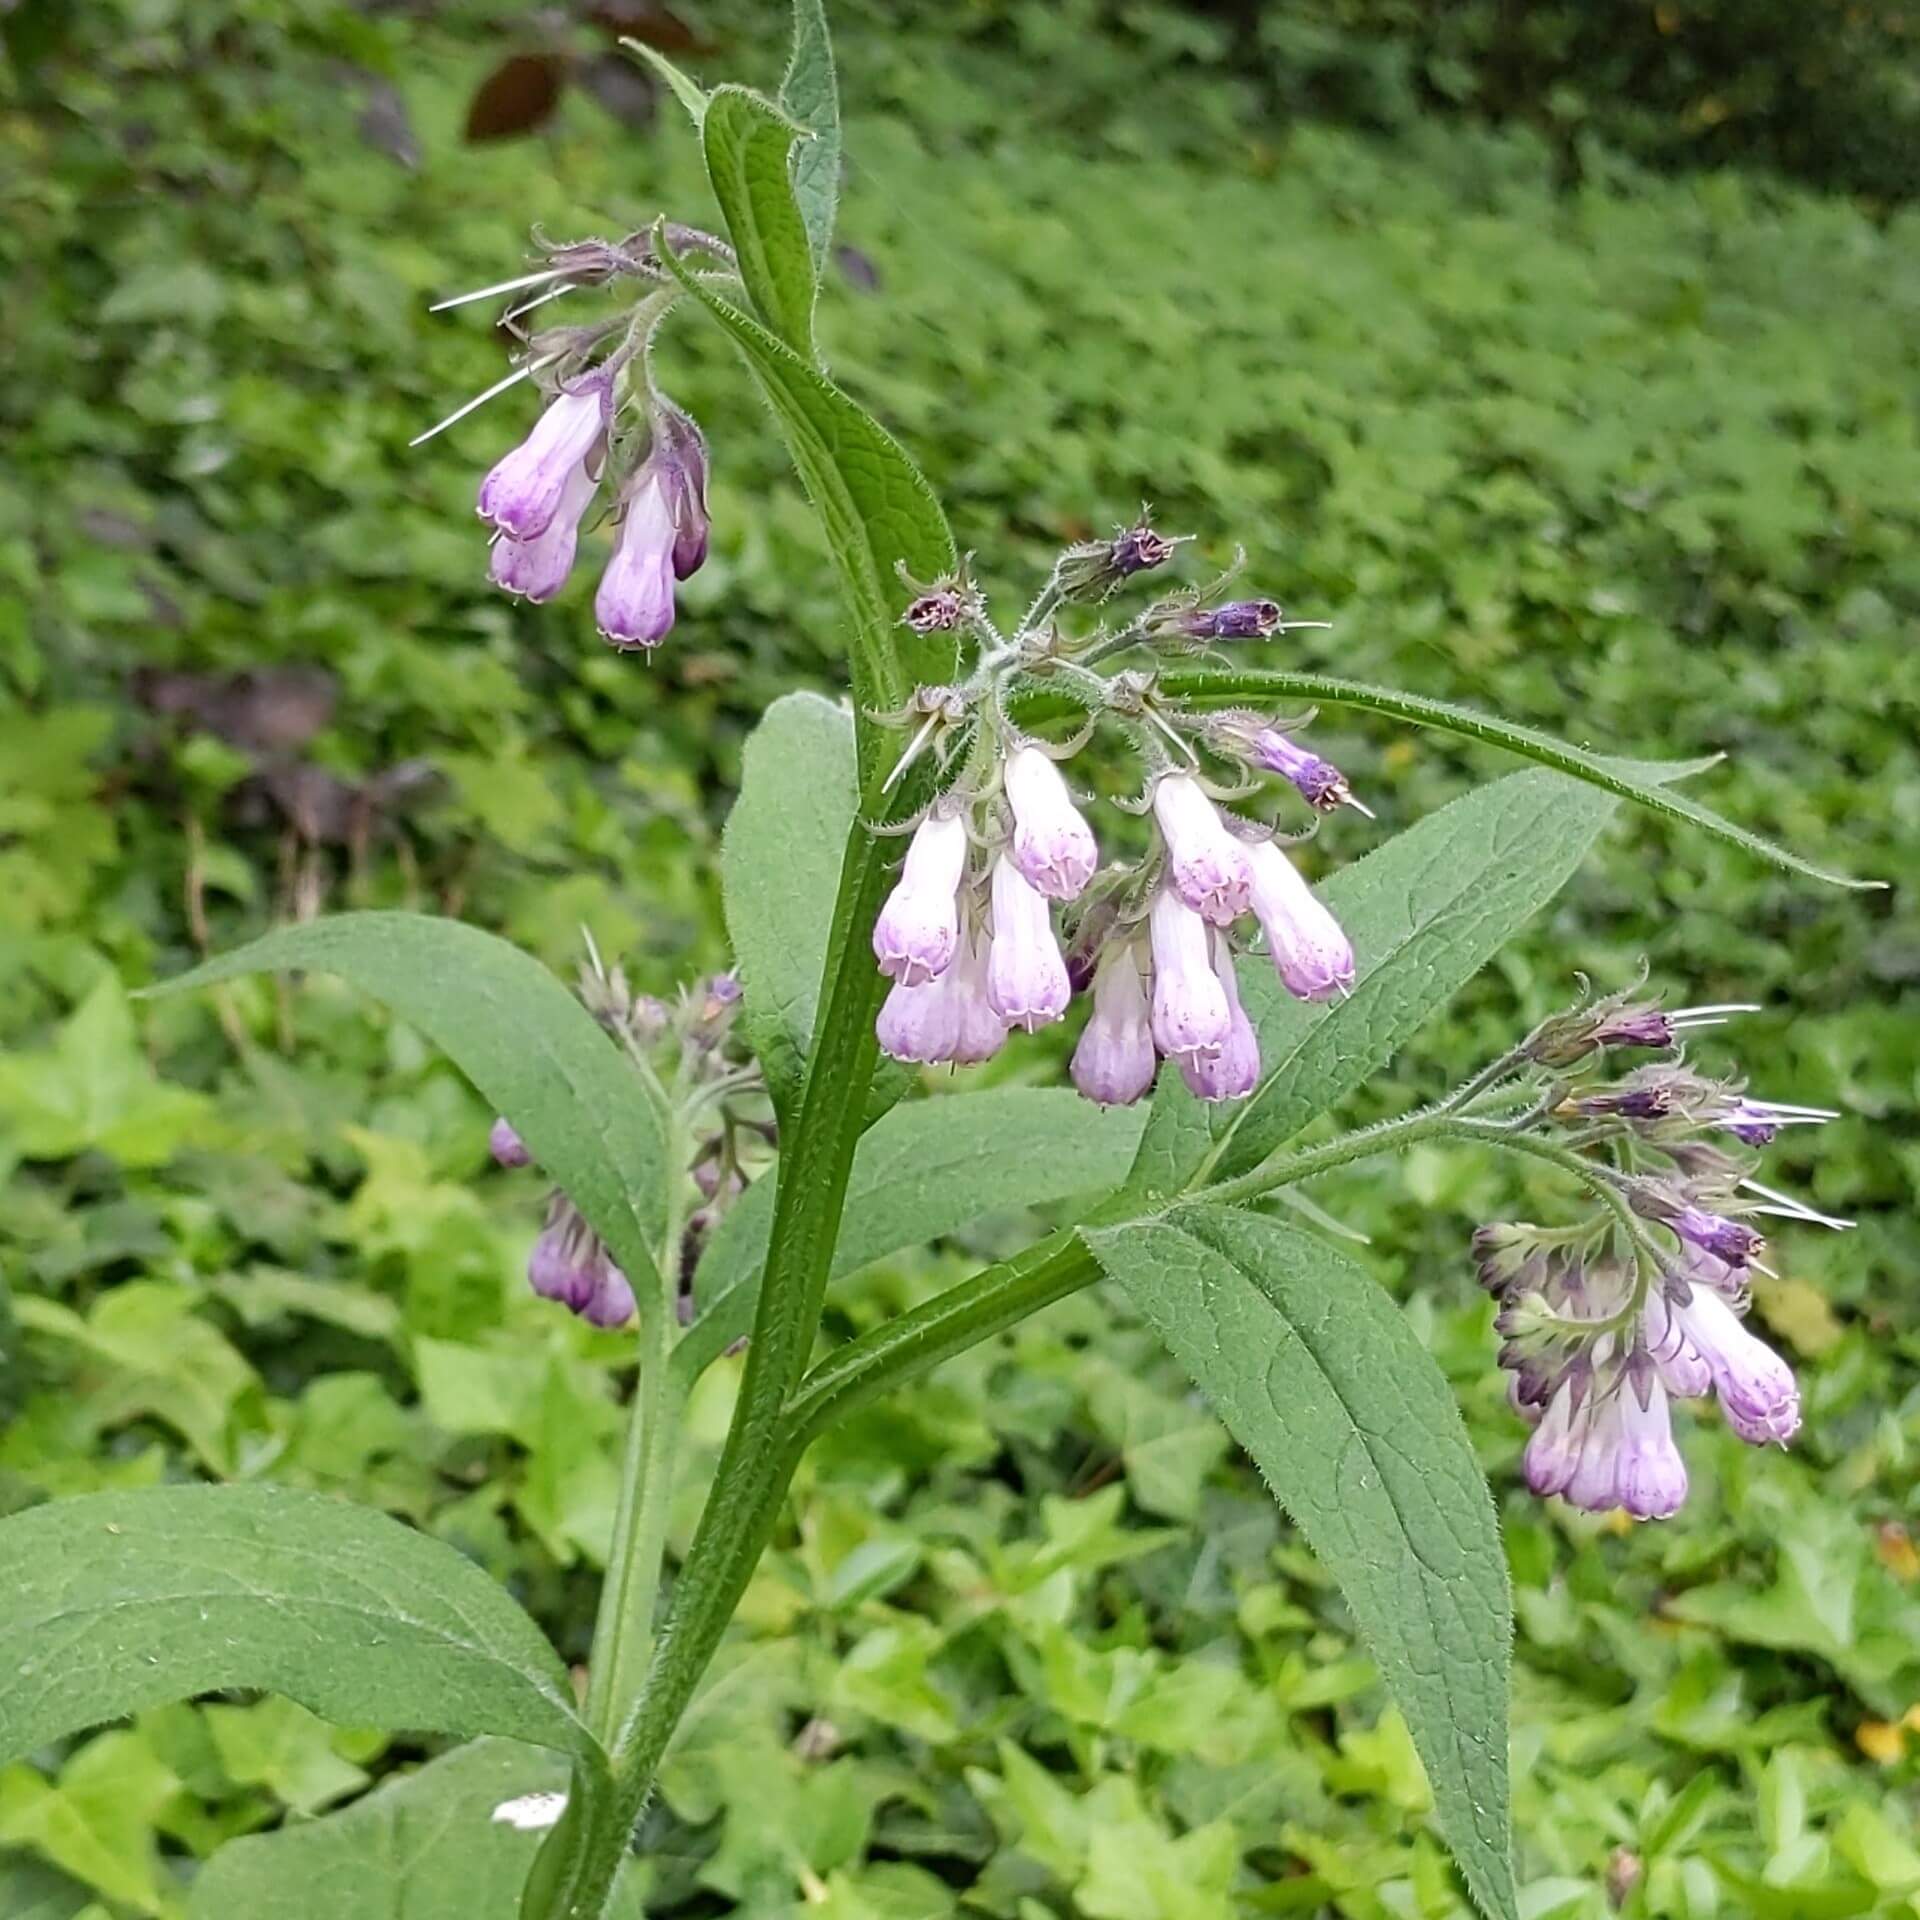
[
  {"x": 1311, "y": 954},
  {"x": 1233, "y": 1071},
  {"x": 978, "y": 1031},
  {"x": 525, "y": 488},
  {"x": 1114, "y": 1063},
  {"x": 918, "y": 930},
  {"x": 1052, "y": 844},
  {"x": 920, "y": 1022},
  {"x": 538, "y": 568},
  {"x": 634, "y": 605},
  {"x": 1755, "y": 1386},
  {"x": 1191, "y": 1012},
  {"x": 1207, "y": 866},
  {"x": 1027, "y": 983},
  {"x": 1683, "y": 1368},
  {"x": 569, "y": 1264}
]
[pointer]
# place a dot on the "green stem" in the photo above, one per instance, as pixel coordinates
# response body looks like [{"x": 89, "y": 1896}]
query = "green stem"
[{"x": 1284, "y": 1170}]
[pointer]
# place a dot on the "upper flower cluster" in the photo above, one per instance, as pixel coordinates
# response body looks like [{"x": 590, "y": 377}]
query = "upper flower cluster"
[
  {"x": 1608, "y": 1319},
  {"x": 967, "y": 935}
]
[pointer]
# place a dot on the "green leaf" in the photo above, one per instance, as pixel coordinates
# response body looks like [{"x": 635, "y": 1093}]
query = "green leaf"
[
  {"x": 1320, "y": 1378},
  {"x": 810, "y": 96},
  {"x": 780, "y": 871},
  {"x": 32, "y": 1892},
  {"x": 687, "y": 90},
  {"x": 747, "y": 141},
  {"x": 422, "y": 1847},
  {"x": 119, "y": 1601},
  {"x": 874, "y": 504},
  {"x": 1424, "y": 912},
  {"x": 925, "y": 1170},
  {"x": 1629, "y": 780},
  {"x": 525, "y": 1042}
]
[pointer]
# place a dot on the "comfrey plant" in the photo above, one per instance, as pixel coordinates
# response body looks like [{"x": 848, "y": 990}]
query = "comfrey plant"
[{"x": 916, "y": 874}]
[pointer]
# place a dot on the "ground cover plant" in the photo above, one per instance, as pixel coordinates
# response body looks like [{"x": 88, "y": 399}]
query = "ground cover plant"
[{"x": 1224, "y": 1809}]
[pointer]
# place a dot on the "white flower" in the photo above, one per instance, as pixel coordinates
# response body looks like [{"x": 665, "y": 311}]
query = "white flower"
[
  {"x": 1313, "y": 958},
  {"x": 1052, "y": 845},
  {"x": 524, "y": 489},
  {"x": 1207, "y": 865},
  {"x": 1114, "y": 1062},
  {"x": 1233, "y": 1071},
  {"x": 1191, "y": 1013},
  {"x": 1027, "y": 983},
  {"x": 918, "y": 930}
]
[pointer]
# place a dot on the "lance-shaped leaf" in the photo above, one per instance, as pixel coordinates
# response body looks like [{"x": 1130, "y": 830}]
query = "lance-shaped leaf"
[
  {"x": 878, "y": 512},
  {"x": 530, "y": 1047},
  {"x": 1627, "y": 779},
  {"x": 810, "y": 96},
  {"x": 1318, "y": 1375},
  {"x": 747, "y": 141},
  {"x": 925, "y": 1170},
  {"x": 119, "y": 1601},
  {"x": 1424, "y": 912}
]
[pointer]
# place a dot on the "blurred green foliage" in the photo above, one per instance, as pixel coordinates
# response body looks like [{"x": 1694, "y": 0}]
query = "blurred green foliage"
[{"x": 1636, "y": 460}]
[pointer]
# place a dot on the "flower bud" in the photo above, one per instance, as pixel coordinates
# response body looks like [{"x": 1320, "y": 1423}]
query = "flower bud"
[
  {"x": 1026, "y": 972},
  {"x": 1311, "y": 954},
  {"x": 538, "y": 568},
  {"x": 524, "y": 490},
  {"x": 1208, "y": 867},
  {"x": 918, "y": 930},
  {"x": 1236, "y": 620},
  {"x": 506, "y": 1146},
  {"x": 1191, "y": 1013},
  {"x": 939, "y": 610},
  {"x": 1233, "y": 1071},
  {"x": 1318, "y": 782},
  {"x": 1114, "y": 1063},
  {"x": 681, "y": 451},
  {"x": 1052, "y": 844}
]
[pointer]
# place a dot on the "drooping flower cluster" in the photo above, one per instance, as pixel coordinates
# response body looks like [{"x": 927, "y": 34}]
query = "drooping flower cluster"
[
  {"x": 1607, "y": 1320},
  {"x": 967, "y": 935},
  {"x": 687, "y": 1046}
]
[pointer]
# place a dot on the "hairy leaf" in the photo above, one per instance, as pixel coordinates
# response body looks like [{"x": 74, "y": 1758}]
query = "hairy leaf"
[
  {"x": 1320, "y": 1378},
  {"x": 119, "y": 1601},
  {"x": 747, "y": 143},
  {"x": 810, "y": 96},
  {"x": 925, "y": 1170},
  {"x": 1424, "y": 912},
  {"x": 530, "y": 1047},
  {"x": 1627, "y": 779}
]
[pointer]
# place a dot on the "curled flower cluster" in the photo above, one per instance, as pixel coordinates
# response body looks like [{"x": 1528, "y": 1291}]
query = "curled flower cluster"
[
  {"x": 1608, "y": 1320},
  {"x": 687, "y": 1046},
  {"x": 967, "y": 935}
]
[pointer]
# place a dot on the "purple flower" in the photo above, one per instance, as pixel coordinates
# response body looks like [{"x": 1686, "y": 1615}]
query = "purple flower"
[
  {"x": 538, "y": 568},
  {"x": 1311, "y": 954},
  {"x": 1729, "y": 1240},
  {"x": 1613, "y": 1449},
  {"x": 568, "y": 1264},
  {"x": 918, "y": 930},
  {"x": 920, "y": 1023},
  {"x": 1319, "y": 782},
  {"x": 1683, "y": 1369},
  {"x": 978, "y": 1031},
  {"x": 1206, "y": 864},
  {"x": 524, "y": 490},
  {"x": 1114, "y": 1063},
  {"x": 1052, "y": 844},
  {"x": 1233, "y": 1071},
  {"x": 634, "y": 604},
  {"x": 506, "y": 1146},
  {"x": 1137, "y": 549},
  {"x": 938, "y": 610},
  {"x": 681, "y": 450},
  {"x": 1755, "y": 1386},
  {"x": 1755, "y": 1123},
  {"x": 1027, "y": 982},
  {"x": 1236, "y": 620},
  {"x": 1635, "y": 1027},
  {"x": 1191, "y": 1012}
]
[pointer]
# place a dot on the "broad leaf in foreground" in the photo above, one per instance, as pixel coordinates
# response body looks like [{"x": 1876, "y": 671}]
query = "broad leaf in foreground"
[
  {"x": 1318, "y": 1375},
  {"x": 531, "y": 1048},
  {"x": 119, "y": 1601}
]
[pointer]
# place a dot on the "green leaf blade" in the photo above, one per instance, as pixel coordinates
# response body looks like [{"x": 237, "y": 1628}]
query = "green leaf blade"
[
  {"x": 747, "y": 142},
  {"x": 810, "y": 96},
  {"x": 114, "y": 1602},
  {"x": 1320, "y": 1378},
  {"x": 533, "y": 1051}
]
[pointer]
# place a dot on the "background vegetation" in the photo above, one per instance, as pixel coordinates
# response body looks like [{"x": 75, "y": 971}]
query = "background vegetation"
[{"x": 1632, "y": 455}]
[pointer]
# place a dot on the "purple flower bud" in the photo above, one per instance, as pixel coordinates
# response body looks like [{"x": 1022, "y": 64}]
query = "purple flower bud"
[
  {"x": 1756, "y": 1387},
  {"x": 1311, "y": 954},
  {"x": 1052, "y": 845},
  {"x": 562, "y": 1268},
  {"x": 506, "y": 1146},
  {"x": 1027, "y": 982},
  {"x": 939, "y": 610},
  {"x": 1208, "y": 867},
  {"x": 1729, "y": 1240},
  {"x": 524, "y": 490},
  {"x": 1237, "y": 620},
  {"x": 1234, "y": 1071},
  {"x": 610, "y": 1303},
  {"x": 681, "y": 452},
  {"x": 1191, "y": 1013},
  {"x": 1627, "y": 1103},
  {"x": 1319, "y": 782},
  {"x": 1635, "y": 1027},
  {"x": 1114, "y": 1063},
  {"x": 538, "y": 568},
  {"x": 918, "y": 930},
  {"x": 1138, "y": 549},
  {"x": 634, "y": 606}
]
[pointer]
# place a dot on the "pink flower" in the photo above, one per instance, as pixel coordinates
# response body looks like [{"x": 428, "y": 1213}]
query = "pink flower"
[
  {"x": 1313, "y": 958},
  {"x": 1233, "y": 1071},
  {"x": 1756, "y": 1387},
  {"x": 1206, "y": 864},
  {"x": 1052, "y": 844},
  {"x": 1616, "y": 1449},
  {"x": 1027, "y": 982},
  {"x": 524, "y": 489},
  {"x": 1191, "y": 1013},
  {"x": 538, "y": 568},
  {"x": 634, "y": 606},
  {"x": 920, "y": 1023},
  {"x": 1114, "y": 1063},
  {"x": 978, "y": 1031},
  {"x": 919, "y": 927}
]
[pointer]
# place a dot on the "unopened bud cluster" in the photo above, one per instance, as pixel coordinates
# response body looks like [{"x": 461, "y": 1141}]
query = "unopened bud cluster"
[
  {"x": 1607, "y": 1320},
  {"x": 968, "y": 936}
]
